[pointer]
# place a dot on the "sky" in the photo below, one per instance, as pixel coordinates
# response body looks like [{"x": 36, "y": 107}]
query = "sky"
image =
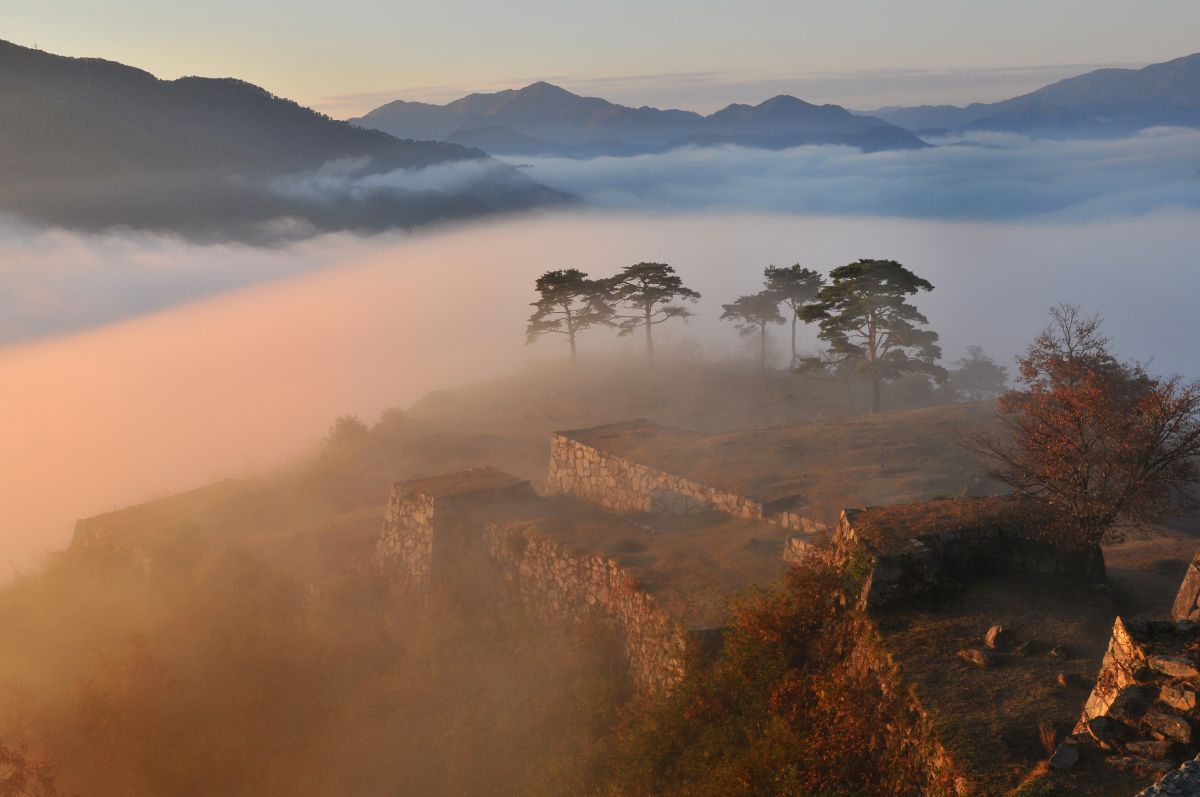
[{"x": 347, "y": 57}]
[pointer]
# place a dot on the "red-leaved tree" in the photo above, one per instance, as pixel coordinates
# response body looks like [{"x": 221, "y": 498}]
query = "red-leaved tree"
[{"x": 1103, "y": 442}]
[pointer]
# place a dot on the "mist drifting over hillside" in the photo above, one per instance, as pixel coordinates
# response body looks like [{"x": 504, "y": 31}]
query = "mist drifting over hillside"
[{"x": 242, "y": 380}]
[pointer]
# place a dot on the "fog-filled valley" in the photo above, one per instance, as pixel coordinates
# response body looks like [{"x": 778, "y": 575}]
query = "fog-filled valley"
[{"x": 250, "y": 377}]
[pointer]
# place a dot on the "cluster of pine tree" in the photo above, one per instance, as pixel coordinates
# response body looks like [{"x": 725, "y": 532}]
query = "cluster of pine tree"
[{"x": 862, "y": 311}]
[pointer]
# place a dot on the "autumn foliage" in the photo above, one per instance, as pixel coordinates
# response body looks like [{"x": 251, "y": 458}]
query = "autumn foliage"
[
  {"x": 1103, "y": 442},
  {"x": 778, "y": 712}
]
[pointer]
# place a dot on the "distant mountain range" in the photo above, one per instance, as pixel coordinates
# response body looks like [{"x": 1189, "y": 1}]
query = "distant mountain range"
[
  {"x": 1103, "y": 102},
  {"x": 93, "y": 144},
  {"x": 546, "y": 119},
  {"x": 543, "y": 119}
]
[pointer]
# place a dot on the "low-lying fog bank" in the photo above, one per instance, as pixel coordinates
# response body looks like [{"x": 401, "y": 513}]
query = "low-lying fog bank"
[
  {"x": 978, "y": 176},
  {"x": 242, "y": 380}
]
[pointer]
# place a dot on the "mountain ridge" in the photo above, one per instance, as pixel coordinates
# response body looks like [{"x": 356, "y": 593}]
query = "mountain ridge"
[
  {"x": 93, "y": 144},
  {"x": 542, "y": 118},
  {"x": 1107, "y": 101},
  {"x": 564, "y": 123}
]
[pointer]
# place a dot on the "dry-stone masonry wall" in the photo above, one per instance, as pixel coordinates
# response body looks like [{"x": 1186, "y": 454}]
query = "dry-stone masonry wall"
[
  {"x": 405, "y": 547},
  {"x": 603, "y": 478},
  {"x": 1187, "y": 601},
  {"x": 913, "y": 726},
  {"x": 924, "y": 563},
  {"x": 1145, "y": 707},
  {"x": 1183, "y": 782},
  {"x": 431, "y": 524},
  {"x": 96, "y": 537},
  {"x": 559, "y": 585}
]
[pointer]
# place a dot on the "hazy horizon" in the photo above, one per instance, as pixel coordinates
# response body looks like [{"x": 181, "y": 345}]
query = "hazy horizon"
[{"x": 934, "y": 52}]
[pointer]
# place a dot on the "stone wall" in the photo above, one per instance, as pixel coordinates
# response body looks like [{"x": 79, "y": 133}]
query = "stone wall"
[
  {"x": 405, "y": 547},
  {"x": 608, "y": 480},
  {"x": 1187, "y": 600},
  {"x": 433, "y": 525},
  {"x": 913, "y": 727},
  {"x": 1144, "y": 710},
  {"x": 925, "y": 563},
  {"x": 1183, "y": 782},
  {"x": 559, "y": 585}
]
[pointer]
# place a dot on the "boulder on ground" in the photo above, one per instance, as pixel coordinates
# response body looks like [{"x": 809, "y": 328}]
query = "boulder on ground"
[
  {"x": 975, "y": 657},
  {"x": 1065, "y": 756},
  {"x": 998, "y": 638}
]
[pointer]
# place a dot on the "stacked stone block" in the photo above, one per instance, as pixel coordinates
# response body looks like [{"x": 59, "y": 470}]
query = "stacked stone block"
[
  {"x": 1145, "y": 707},
  {"x": 559, "y": 585},
  {"x": 603, "y": 478},
  {"x": 1187, "y": 601},
  {"x": 431, "y": 523},
  {"x": 924, "y": 563}
]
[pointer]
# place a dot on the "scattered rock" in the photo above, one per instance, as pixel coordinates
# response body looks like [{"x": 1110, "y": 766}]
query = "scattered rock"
[
  {"x": 1103, "y": 732},
  {"x": 975, "y": 657},
  {"x": 1128, "y": 706},
  {"x": 1057, "y": 652},
  {"x": 1174, "y": 666},
  {"x": 1068, "y": 679},
  {"x": 1153, "y": 748},
  {"x": 1170, "y": 726},
  {"x": 1183, "y": 781},
  {"x": 998, "y": 637},
  {"x": 1178, "y": 696},
  {"x": 1023, "y": 648},
  {"x": 1065, "y": 757}
]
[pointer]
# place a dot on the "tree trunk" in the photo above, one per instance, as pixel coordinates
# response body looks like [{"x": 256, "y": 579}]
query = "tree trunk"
[
  {"x": 649, "y": 342},
  {"x": 571, "y": 334},
  {"x": 875, "y": 394},
  {"x": 762, "y": 345},
  {"x": 793, "y": 362}
]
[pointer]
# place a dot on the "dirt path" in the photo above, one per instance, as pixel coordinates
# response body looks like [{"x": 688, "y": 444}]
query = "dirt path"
[{"x": 1146, "y": 572}]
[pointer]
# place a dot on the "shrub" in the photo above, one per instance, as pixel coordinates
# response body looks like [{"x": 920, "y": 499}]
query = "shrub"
[{"x": 778, "y": 712}]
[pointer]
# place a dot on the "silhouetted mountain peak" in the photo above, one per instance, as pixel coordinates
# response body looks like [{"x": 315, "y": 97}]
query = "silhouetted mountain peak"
[
  {"x": 543, "y": 89},
  {"x": 564, "y": 120},
  {"x": 787, "y": 101},
  {"x": 1101, "y": 102}
]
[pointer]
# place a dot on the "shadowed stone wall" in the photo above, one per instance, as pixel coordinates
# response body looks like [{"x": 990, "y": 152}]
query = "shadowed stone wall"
[
  {"x": 559, "y": 585},
  {"x": 439, "y": 530},
  {"x": 913, "y": 726},
  {"x": 908, "y": 566},
  {"x": 431, "y": 525}
]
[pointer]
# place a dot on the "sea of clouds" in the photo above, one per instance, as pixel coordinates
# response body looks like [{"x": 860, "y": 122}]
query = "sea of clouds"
[
  {"x": 134, "y": 365},
  {"x": 52, "y": 281},
  {"x": 983, "y": 176}
]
